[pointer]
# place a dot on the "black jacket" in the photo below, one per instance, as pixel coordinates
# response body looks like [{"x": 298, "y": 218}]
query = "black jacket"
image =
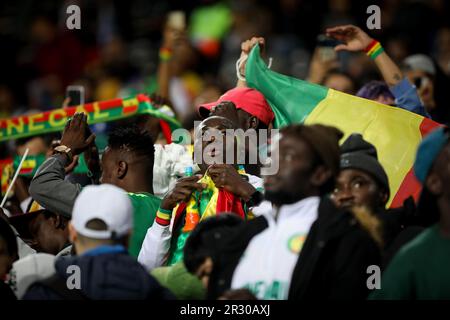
[
  {"x": 104, "y": 276},
  {"x": 331, "y": 265},
  {"x": 334, "y": 259},
  {"x": 6, "y": 292},
  {"x": 229, "y": 250}
]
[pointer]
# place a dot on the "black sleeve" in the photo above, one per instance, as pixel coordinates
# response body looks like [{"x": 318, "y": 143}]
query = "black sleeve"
[{"x": 348, "y": 272}]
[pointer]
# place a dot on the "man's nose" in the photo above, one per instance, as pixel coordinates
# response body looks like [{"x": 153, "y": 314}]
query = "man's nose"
[{"x": 344, "y": 195}]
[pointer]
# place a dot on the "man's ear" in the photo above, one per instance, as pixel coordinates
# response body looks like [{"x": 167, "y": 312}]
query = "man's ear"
[
  {"x": 384, "y": 197},
  {"x": 434, "y": 184},
  {"x": 72, "y": 233},
  {"x": 59, "y": 222},
  {"x": 252, "y": 123},
  {"x": 320, "y": 176},
  {"x": 121, "y": 170}
]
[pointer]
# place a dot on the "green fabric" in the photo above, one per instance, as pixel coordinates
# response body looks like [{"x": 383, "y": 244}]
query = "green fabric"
[
  {"x": 292, "y": 100},
  {"x": 176, "y": 278},
  {"x": 145, "y": 206},
  {"x": 30, "y": 164},
  {"x": 210, "y": 22},
  {"x": 176, "y": 252},
  {"x": 97, "y": 112},
  {"x": 420, "y": 270}
]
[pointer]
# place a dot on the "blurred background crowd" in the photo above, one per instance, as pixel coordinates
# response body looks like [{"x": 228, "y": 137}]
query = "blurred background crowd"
[{"x": 115, "y": 53}]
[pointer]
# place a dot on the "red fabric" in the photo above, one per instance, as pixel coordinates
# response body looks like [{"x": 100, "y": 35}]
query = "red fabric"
[
  {"x": 165, "y": 128},
  {"x": 370, "y": 46},
  {"x": 247, "y": 99},
  {"x": 228, "y": 202}
]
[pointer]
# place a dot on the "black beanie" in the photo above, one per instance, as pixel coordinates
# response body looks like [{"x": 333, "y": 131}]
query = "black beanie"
[{"x": 357, "y": 153}]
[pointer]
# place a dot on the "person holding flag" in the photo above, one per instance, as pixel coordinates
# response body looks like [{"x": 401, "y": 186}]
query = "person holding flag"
[{"x": 219, "y": 187}]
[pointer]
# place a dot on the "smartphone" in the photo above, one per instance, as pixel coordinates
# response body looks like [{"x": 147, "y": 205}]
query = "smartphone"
[
  {"x": 326, "y": 46},
  {"x": 76, "y": 95},
  {"x": 176, "y": 20}
]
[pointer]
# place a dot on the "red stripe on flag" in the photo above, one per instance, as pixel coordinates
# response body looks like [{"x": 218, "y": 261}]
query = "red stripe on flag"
[
  {"x": 228, "y": 202},
  {"x": 427, "y": 125},
  {"x": 409, "y": 187},
  {"x": 26, "y": 170}
]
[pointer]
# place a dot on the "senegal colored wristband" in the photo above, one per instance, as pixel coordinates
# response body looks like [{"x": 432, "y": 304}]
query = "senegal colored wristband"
[
  {"x": 372, "y": 44},
  {"x": 165, "y": 54},
  {"x": 374, "y": 49},
  {"x": 163, "y": 217}
]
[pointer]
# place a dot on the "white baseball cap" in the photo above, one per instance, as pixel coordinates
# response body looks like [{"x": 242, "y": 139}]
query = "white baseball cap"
[
  {"x": 107, "y": 203},
  {"x": 420, "y": 62}
]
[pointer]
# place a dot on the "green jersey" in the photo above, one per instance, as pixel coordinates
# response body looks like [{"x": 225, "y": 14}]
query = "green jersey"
[
  {"x": 145, "y": 206},
  {"x": 420, "y": 270}
]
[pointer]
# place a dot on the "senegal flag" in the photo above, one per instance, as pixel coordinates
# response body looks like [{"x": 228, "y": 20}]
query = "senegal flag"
[{"x": 395, "y": 132}]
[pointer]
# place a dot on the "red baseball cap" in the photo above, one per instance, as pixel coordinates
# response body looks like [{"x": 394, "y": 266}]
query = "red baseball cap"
[{"x": 247, "y": 99}]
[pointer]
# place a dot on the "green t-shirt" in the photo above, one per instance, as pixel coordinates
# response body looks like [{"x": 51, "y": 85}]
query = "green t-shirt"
[
  {"x": 145, "y": 206},
  {"x": 421, "y": 270}
]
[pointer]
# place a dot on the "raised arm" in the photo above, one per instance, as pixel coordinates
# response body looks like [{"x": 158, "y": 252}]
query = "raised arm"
[
  {"x": 48, "y": 187},
  {"x": 355, "y": 39}
]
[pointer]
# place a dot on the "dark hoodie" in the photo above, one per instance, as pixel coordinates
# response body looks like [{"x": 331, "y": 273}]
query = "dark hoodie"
[{"x": 105, "y": 274}]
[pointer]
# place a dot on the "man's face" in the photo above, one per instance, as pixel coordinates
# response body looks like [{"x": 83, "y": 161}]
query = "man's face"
[
  {"x": 108, "y": 167},
  {"x": 339, "y": 82},
  {"x": 47, "y": 237},
  {"x": 439, "y": 178},
  {"x": 35, "y": 147},
  {"x": 228, "y": 110},
  {"x": 357, "y": 188},
  {"x": 385, "y": 100},
  {"x": 204, "y": 271},
  {"x": 214, "y": 140},
  {"x": 292, "y": 181}
]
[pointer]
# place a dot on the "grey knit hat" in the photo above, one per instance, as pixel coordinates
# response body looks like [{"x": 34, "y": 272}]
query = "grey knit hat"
[{"x": 357, "y": 153}]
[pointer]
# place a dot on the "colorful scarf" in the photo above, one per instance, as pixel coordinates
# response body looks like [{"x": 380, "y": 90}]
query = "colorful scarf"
[{"x": 202, "y": 205}]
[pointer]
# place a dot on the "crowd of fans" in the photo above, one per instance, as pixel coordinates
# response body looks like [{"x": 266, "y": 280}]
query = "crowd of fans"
[{"x": 149, "y": 221}]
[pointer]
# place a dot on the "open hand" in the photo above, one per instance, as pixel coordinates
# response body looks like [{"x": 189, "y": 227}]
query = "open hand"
[
  {"x": 74, "y": 134},
  {"x": 181, "y": 192},
  {"x": 247, "y": 46},
  {"x": 353, "y": 37}
]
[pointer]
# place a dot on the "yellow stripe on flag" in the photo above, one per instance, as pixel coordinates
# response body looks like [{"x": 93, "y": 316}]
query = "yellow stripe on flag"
[{"x": 394, "y": 132}]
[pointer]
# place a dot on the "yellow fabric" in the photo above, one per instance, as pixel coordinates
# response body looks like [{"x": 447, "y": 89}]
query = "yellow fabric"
[
  {"x": 377, "y": 123},
  {"x": 210, "y": 210}
]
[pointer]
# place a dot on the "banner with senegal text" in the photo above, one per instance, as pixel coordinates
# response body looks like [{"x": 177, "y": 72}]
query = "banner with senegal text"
[{"x": 98, "y": 112}]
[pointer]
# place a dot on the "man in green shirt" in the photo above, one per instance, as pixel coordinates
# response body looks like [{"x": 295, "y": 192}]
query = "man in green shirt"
[
  {"x": 421, "y": 268},
  {"x": 127, "y": 162}
]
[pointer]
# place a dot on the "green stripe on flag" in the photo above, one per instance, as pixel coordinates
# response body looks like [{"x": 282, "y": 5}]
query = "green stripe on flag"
[{"x": 292, "y": 100}]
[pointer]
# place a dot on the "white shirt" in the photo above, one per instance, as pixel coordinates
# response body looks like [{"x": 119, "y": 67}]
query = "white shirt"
[
  {"x": 156, "y": 245},
  {"x": 267, "y": 264},
  {"x": 171, "y": 161}
]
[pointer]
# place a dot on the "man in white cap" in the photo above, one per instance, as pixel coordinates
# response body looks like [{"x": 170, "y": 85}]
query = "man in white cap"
[
  {"x": 102, "y": 221},
  {"x": 421, "y": 71}
]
